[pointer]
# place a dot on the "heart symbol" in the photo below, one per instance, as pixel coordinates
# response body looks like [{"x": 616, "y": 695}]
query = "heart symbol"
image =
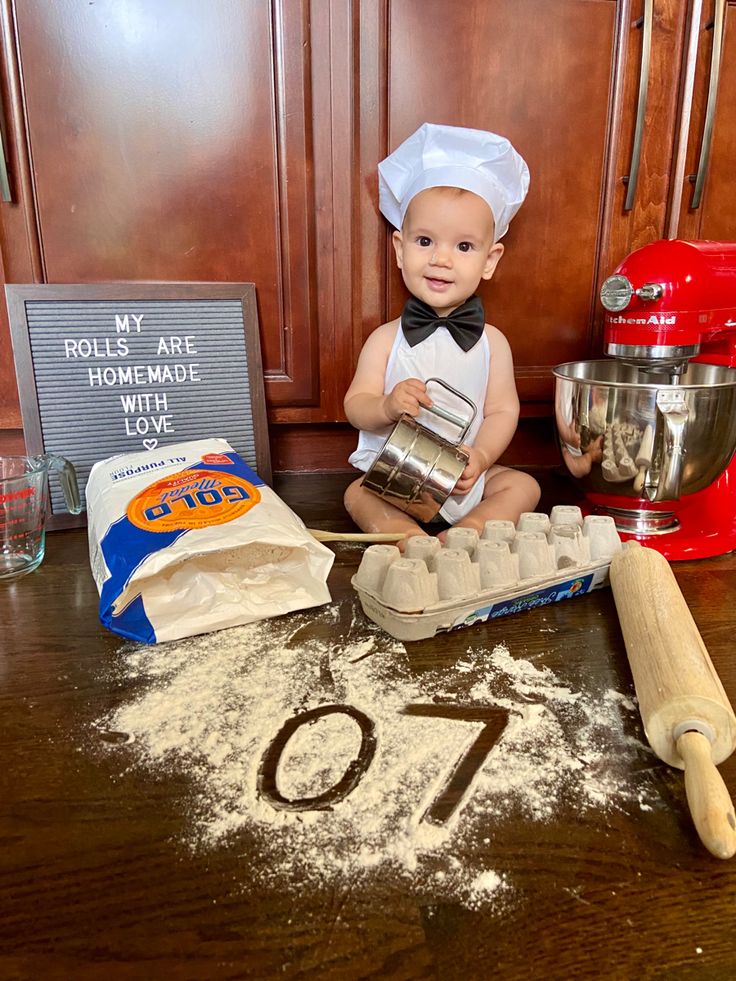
[{"x": 150, "y": 444}]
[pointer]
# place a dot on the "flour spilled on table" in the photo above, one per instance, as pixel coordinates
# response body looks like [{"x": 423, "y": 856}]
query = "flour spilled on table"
[{"x": 214, "y": 704}]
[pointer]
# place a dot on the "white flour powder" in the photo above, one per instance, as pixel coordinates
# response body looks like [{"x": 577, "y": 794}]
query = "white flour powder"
[{"x": 214, "y": 703}]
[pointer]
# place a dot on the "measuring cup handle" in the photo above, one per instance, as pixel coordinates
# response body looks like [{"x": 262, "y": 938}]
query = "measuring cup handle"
[
  {"x": 463, "y": 424},
  {"x": 68, "y": 478}
]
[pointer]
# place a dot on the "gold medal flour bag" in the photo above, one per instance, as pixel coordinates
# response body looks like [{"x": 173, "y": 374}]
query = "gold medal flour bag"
[{"x": 187, "y": 538}]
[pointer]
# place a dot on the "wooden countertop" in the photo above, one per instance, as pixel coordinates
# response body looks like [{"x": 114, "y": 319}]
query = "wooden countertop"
[{"x": 103, "y": 875}]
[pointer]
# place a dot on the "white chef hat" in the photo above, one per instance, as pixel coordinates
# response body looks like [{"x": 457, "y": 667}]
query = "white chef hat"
[{"x": 453, "y": 156}]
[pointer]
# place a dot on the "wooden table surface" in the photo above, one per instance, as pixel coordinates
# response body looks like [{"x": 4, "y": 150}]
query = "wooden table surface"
[{"x": 101, "y": 876}]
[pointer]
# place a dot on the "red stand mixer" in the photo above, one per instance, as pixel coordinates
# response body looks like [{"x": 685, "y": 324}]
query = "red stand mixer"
[{"x": 651, "y": 433}]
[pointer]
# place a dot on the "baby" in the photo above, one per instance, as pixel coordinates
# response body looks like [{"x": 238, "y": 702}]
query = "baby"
[{"x": 450, "y": 192}]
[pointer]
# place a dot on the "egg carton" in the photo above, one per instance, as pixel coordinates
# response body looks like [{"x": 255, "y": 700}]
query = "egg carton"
[
  {"x": 435, "y": 586},
  {"x": 618, "y": 463}
]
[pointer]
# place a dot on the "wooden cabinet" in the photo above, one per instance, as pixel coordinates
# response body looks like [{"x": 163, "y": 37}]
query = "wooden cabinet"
[
  {"x": 560, "y": 80},
  {"x": 707, "y": 134},
  {"x": 238, "y": 140},
  {"x": 169, "y": 141}
]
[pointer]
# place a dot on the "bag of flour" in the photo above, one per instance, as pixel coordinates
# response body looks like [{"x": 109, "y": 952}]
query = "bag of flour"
[{"x": 187, "y": 538}]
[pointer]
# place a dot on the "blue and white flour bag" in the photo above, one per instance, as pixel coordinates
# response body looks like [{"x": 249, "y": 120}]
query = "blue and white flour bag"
[{"x": 187, "y": 538}]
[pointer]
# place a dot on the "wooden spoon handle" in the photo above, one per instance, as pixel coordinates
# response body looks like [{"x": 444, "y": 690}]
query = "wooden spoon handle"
[
  {"x": 346, "y": 536},
  {"x": 709, "y": 801}
]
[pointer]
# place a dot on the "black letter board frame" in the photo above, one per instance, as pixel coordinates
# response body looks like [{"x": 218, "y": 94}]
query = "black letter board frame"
[{"x": 220, "y": 316}]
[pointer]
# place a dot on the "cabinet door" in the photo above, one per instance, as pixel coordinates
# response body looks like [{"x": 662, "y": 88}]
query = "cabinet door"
[
  {"x": 239, "y": 140},
  {"x": 704, "y": 197},
  {"x": 561, "y": 80},
  {"x": 172, "y": 141}
]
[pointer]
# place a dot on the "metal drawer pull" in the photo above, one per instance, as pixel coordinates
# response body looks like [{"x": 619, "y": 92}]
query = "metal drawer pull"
[
  {"x": 5, "y": 194},
  {"x": 710, "y": 107},
  {"x": 646, "y": 50}
]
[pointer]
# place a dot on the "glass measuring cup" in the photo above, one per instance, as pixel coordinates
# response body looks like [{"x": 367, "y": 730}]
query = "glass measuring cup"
[{"x": 23, "y": 499}]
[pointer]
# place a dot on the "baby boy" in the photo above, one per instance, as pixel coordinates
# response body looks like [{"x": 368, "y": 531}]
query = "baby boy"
[{"x": 450, "y": 192}]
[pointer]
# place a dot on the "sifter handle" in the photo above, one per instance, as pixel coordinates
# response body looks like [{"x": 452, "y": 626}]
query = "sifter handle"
[{"x": 462, "y": 424}]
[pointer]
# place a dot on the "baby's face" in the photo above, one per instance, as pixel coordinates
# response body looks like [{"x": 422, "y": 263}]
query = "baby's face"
[{"x": 445, "y": 246}]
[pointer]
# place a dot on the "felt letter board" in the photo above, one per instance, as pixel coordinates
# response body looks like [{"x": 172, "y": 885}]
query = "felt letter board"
[{"x": 114, "y": 368}]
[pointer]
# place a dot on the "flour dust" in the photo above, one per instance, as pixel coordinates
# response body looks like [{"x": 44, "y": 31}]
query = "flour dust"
[{"x": 213, "y": 705}]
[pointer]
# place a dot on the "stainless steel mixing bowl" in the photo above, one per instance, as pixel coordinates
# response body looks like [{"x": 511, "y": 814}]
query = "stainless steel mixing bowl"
[{"x": 627, "y": 432}]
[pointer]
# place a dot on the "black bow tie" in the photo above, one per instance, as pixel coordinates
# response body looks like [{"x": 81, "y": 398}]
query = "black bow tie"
[{"x": 419, "y": 320}]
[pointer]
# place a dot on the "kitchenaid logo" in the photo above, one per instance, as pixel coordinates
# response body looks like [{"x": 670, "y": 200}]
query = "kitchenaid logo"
[{"x": 655, "y": 319}]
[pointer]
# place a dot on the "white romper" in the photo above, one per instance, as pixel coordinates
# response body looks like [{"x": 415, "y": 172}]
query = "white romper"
[{"x": 438, "y": 356}]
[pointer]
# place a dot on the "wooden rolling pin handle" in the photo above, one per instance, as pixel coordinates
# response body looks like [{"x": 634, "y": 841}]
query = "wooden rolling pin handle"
[
  {"x": 687, "y": 717},
  {"x": 710, "y": 805}
]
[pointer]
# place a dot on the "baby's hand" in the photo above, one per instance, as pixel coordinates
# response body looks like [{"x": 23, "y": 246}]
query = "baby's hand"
[
  {"x": 408, "y": 396},
  {"x": 595, "y": 450},
  {"x": 477, "y": 464}
]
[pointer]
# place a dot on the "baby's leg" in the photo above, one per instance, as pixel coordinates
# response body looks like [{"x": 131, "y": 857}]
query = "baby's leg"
[
  {"x": 372, "y": 513},
  {"x": 507, "y": 494}
]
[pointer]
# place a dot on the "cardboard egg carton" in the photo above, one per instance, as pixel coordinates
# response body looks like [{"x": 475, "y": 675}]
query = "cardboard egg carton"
[
  {"x": 618, "y": 463},
  {"x": 438, "y": 586}
]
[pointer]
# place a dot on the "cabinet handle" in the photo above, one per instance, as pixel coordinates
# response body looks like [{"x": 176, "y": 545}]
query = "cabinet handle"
[
  {"x": 646, "y": 50},
  {"x": 5, "y": 193},
  {"x": 710, "y": 106}
]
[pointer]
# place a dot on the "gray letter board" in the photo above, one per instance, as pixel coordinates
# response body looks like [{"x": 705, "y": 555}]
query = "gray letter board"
[{"x": 113, "y": 368}]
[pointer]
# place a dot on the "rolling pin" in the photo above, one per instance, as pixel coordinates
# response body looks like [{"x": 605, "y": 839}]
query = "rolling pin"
[{"x": 687, "y": 717}]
